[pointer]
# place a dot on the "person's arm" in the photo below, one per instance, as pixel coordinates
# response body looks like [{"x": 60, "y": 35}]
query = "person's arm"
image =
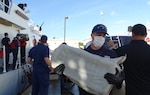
[
  {"x": 29, "y": 60},
  {"x": 48, "y": 62},
  {"x": 111, "y": 44},
  {"x": 9, "y": 42}
]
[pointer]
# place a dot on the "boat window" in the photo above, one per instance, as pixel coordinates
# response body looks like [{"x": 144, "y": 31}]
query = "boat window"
[
  {"x": 125, "y": 40},
  {"x": 5, "y": 5},
  {"x": 1, "y": 5},
  {"x": 121, "y": 40},
  {"x": 118, "y": 40}
]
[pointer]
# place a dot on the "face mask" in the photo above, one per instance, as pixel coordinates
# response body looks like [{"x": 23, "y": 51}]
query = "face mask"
[{"x": 98, "y": 41}]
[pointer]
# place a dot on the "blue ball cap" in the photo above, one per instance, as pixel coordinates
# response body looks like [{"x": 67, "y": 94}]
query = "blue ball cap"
[
  {"x": 100, "y": 28},
  {"x": 44, "y": 37}
]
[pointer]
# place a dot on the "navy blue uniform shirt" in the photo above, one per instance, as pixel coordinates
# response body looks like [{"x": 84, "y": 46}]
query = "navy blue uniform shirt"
[
  {"x": 38, "y": 53},
  {"x": 103, "y": 51},
  {"x": 5, "y": 41}
]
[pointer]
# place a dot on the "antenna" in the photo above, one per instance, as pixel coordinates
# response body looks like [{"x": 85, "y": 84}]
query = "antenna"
[
  {"x": 40, "y": 29},
  {"x": 101, "y": 14}
]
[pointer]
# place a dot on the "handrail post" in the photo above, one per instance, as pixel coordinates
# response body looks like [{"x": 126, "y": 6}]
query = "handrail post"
[
  {"x": 4, "y": 59},
  {"x": 18, "y": 65},
  {"x": 19, "y": 56}
]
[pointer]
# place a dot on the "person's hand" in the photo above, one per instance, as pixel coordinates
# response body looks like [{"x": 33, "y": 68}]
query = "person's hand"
[
  {"x": 111, "y": 44},
  {"x": 59, "y": 69},
  {"x": 114, "y": 79},
  {"x": 51, "y": 70}
]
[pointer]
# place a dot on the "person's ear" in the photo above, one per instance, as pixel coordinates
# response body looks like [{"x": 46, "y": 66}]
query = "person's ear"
[
  {"x": 92, "y": 36},
  {"x": 133, "y": 34}
]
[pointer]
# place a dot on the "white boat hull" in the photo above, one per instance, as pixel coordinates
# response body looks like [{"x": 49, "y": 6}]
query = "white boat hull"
[{"x": 13, "y": 82}]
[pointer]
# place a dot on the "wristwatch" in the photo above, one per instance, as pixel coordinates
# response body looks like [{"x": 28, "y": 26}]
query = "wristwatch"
[{"x": 49, "y": 66}]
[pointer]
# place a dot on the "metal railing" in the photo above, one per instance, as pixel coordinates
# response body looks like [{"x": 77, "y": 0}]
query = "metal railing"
[{"x": 3, "y": 61}]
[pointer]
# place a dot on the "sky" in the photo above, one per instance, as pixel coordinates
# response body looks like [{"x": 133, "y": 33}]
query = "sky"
[{"x": 83, "y": 15}]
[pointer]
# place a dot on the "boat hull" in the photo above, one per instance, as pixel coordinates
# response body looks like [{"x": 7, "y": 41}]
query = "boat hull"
[{"x": 13, "y": 82}]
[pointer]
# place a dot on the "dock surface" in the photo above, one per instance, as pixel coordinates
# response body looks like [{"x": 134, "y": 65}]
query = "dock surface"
[{"x": 55, "y": 88}]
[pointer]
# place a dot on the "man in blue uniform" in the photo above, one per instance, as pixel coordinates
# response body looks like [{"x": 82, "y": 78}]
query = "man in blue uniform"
[
  {"x": 137, "y": 64},
  {"x": 41, "y": 67},
  {"x": 97, "y": 47}
]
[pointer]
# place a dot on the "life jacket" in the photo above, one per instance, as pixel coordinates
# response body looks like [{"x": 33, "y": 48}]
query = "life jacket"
[
  {"x": 1, "y": 53},
  {"x": 12, "y": 45},
  {"x": 22, "y": 43},
  {"x": 15, "y": 44}
]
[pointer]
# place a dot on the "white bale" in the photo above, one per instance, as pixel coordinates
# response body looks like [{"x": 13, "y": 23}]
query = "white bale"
[{"x": 85, "y": 69}]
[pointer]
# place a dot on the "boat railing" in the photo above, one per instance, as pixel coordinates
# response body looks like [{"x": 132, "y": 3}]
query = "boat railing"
[
  {"x": 3, "y": 60},
  {"x": 5, "y": 5}
]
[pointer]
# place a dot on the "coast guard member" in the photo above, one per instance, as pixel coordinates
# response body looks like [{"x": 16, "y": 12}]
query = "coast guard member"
[
  {"x": 97, "y": 47},
  {"x": 41, "y": 67}
]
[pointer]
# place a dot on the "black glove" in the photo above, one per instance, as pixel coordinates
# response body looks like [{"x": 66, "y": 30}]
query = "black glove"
[
  {"x": 115, "y": 79},
  {"x": 111, "y": 78},
  {"x": 59, "y": 69}
]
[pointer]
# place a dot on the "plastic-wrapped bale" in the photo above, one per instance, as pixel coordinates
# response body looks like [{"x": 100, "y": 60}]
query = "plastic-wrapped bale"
[{"x": 85, "y": 69}]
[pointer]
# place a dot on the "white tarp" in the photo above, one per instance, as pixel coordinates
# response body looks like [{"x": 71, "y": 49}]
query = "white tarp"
[{"x": 85, "y": 69}]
